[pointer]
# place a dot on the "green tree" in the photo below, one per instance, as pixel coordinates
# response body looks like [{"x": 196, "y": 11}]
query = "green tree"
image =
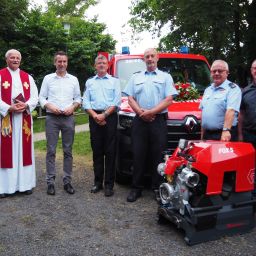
[
  {"x": 75, "y": 8},
  {"x": 215, "y": 28},
  {"x": 10, "y": 12},
  {"x": 38, "y": 35}
]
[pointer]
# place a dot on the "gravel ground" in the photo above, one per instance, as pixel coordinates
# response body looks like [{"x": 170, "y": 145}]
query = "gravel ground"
[{"x": 91, "y": 224}]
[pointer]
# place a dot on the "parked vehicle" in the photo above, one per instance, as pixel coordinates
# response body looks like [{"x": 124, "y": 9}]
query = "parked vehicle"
[{"x": 184, "y": 117}]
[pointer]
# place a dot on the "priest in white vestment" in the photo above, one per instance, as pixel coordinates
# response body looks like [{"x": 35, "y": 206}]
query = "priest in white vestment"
[{"x": 18, "y": 98}]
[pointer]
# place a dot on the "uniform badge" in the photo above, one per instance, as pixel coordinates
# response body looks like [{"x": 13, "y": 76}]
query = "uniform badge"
[
  {"x": 6, "y": 85},
  {"x": 232, "y": 85},
  {"x": 26, "y": 85}
]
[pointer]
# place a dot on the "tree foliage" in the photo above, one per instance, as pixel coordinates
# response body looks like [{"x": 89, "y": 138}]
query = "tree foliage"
[
  {"x": 38, "y": 34},
  {"x": 70, "y": 7},
  {"x": 215, "y": 28}
]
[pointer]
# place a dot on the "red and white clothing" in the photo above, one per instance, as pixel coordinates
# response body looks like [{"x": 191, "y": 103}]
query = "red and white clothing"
[{"x": 19, "y": 177}]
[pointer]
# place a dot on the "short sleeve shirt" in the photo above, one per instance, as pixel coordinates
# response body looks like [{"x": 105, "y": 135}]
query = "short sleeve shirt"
[
  {"x": 150, "y": 88},
  {"x": 102, "y": 92},
  {"x": 216, "y": 101}
]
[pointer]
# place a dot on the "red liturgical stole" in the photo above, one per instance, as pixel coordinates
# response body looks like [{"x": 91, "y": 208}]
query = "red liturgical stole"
[{"x": 6, "y": 133}]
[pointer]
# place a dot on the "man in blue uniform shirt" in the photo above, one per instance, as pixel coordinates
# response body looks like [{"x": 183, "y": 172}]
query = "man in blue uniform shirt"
[
  {"x": 149, "y": 95},
  {"x": 101, "y": 100},
  {"x": 220, "y": 105}
]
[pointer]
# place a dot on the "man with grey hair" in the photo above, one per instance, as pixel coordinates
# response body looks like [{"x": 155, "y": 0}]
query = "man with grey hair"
[
  {"x": 60, "y": 95},
  {"x": 101, "y": 100},
  {"x": 220, "y": 105},
  {"x": 149, "y": 94},
  {"x": 18, "y": 98}
]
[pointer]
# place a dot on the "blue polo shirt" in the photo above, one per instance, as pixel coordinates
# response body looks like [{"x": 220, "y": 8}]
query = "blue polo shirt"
[
  {"x": 102, "y": 92},
  {"x": 216, "y": 101},
  {"x": 150, "y": 88}
]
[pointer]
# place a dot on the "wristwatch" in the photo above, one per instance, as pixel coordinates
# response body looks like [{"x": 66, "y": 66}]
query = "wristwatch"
[{"x": 226, "y": 129}]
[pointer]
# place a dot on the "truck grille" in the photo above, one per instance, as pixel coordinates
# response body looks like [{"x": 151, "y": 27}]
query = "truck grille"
[{"x": 189, "y": 129}]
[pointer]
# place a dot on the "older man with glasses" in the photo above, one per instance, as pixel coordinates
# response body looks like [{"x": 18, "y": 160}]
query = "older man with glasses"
[{"x": 220, "y": 105}]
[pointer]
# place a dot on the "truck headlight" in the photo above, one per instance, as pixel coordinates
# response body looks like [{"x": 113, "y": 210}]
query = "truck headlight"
[{"x": 161, "y": 169}]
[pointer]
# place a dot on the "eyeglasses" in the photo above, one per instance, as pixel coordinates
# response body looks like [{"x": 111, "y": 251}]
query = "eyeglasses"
[{"x": 220, "y": 71}]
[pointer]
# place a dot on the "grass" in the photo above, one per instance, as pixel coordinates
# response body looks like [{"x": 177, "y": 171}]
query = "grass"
[
  {"x": 81, "y": 146},
  {"x": 39, "y": 123}
]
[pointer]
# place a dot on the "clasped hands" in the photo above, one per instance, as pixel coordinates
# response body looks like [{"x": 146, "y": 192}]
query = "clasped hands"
[
  {"x": 18, "y": 106},
  {"x": 99, "y": 119},
  {"x": 55, "y": 110},
  {"x": 147, "y": 115}
]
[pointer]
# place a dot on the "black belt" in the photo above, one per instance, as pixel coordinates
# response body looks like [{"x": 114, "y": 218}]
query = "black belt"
[
  {"x": 60, "y": 115},
  {"x": 99, "y": 111},
  {"x": 213, "y": 131},
  {"x": 218, "y": 130},
  {"x": 102, "y": 111},
  {"x": 163, "y": 114}
]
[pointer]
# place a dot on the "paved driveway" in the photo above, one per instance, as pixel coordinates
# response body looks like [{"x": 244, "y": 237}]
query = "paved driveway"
[{"x": 88, "y": 224}]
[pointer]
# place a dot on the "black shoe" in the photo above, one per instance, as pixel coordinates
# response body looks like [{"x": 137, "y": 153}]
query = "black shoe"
[
  {"x": 134, "y": 195},
  {"x": 3, "y": 195},
  {"x": 156, "y": 195},
  {"x": 69, "y": 189},
  {"x": 96, "y": 188},
  {"x": 51, "y": 189},
  {"x": 109, "y": 192},
  {"x": 28, "y": 192}
]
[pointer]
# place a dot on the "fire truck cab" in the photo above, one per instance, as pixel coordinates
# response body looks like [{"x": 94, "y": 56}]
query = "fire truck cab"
[{"x": 184, "y": 118}]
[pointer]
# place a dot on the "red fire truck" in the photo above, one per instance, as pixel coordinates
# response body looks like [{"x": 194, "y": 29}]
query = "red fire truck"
[{"x": 183, "y": 117}]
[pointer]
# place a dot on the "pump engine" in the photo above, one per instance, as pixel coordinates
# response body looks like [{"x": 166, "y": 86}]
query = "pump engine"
[{"x": 207, "y": 190}]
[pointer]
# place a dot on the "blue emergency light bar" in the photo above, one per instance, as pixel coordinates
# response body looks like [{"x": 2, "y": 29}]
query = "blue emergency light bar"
[
  {"x": 184, "y": 49},
  {"x": 125, "y": 50}
]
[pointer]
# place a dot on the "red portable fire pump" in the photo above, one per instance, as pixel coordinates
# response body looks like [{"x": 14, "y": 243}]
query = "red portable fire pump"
[{"x": 208, "y": 189}]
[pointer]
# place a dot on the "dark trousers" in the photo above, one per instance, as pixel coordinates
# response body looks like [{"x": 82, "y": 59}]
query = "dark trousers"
[
  {"x": 53, "y": 125},
  {"x": 149, "y": 140},
  {"x": 216, "y": 134},
  {"x": 103, "y": 142},
  {"x": 250, "y": 136}
]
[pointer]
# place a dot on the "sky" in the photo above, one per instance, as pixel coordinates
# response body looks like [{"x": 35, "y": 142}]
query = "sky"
[{"x": 115, "y": 14}]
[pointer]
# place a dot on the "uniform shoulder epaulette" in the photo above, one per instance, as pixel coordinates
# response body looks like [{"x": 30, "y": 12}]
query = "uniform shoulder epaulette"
[
  {"x": 90, "y": 77},
  {"x": 232, "y": 85},
  {"x": 137, "y": 72}
]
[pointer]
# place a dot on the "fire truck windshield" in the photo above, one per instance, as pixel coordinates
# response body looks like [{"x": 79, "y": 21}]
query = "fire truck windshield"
[{"x": 193, "y": 71}]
